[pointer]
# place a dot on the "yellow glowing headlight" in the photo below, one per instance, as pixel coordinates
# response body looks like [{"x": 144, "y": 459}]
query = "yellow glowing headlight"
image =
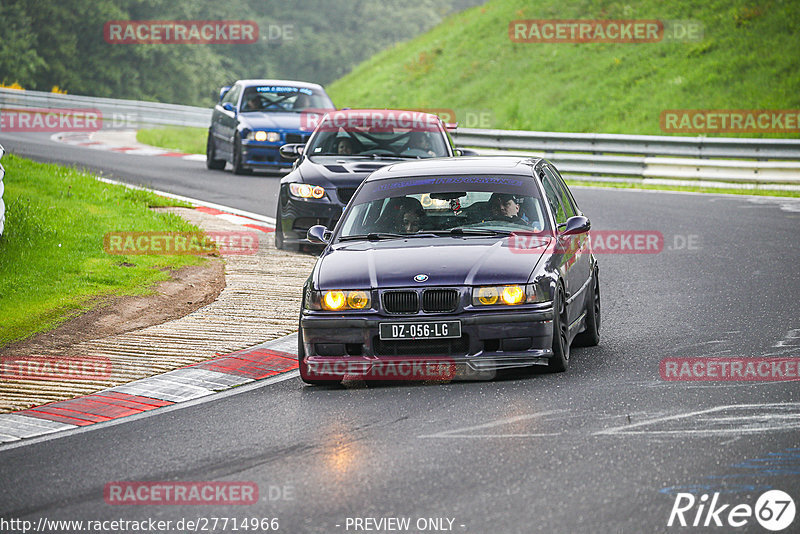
[
  {"x": 260, "y": 136},
  {"x": 338, "y": 300},
  {"x": 306, "y": 190},
  {"x": 489, "y": 295},
  {"x": 334, "y": 300},
  {"x": 485, "y": 296},
  {"x": 357, "y": 300},
  {"x": 512, "y": 294}
]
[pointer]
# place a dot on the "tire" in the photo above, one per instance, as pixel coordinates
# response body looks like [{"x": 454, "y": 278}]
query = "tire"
[
  {"x": 238, "y": 168},
  {"x": 211, "y": 153},
  {"x": 559, "y": 361},
  {"x": 591, "y": 336},
  {"x": 305, "y": 375}
]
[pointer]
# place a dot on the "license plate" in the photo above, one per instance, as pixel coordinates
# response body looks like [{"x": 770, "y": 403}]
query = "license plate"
[{"x": 422, "y": 330}]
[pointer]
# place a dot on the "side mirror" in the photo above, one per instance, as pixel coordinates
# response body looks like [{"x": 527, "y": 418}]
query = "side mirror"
[
  {"x": 224, "y": 91},
  {"x": 227, "y": 106},
  {"x": 577, "y": 225},
  {"x": 466, "y": 152},
  {"x": 318, "y": 234},
  {"x": 292, "y": 151}
]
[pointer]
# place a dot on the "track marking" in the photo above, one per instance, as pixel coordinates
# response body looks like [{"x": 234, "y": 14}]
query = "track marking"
[{"x": 463, "y": 432}]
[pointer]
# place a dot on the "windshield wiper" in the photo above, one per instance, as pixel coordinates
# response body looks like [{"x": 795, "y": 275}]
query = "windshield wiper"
[
  {"x": 377, "y": 236},
  {"x": 472, "y": 231}
]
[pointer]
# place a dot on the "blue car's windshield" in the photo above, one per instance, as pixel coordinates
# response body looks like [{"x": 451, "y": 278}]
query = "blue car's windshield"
[
  {"x": 271, "y": 98},
  {"x": 425, "y": 210}
]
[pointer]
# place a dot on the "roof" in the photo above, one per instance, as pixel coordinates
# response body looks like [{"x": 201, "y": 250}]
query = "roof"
[
  {"x": 251, "y": 82},
  {"x": 467, "y": 165}
]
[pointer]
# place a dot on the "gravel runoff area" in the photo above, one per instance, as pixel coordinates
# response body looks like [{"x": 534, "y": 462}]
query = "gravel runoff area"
[{"x": 260, "y": 302}]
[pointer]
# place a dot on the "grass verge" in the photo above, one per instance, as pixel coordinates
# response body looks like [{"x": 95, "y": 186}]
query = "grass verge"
[
  {"x": 178, "y": 138},
  {"x": 52, "y": 262}
]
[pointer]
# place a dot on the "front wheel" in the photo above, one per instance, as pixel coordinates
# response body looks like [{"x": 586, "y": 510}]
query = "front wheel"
[
  {"x": 591, "y": 336},
  {"x": 211, "y": 154},
  {"x": 238, "y": 167},
  {"x": 559, "y": 361}
]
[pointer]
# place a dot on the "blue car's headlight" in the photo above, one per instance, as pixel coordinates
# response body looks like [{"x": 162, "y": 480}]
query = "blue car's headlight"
[
  {"x": 261, "y": 135},
  {"x": 338, "y": 300}
]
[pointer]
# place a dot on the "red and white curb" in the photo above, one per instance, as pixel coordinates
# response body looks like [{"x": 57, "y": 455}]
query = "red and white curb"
[
  {"x": 263, "y": 361},
  {"x": 86, "y": 140},
  {"x": 267, "y": 360}
]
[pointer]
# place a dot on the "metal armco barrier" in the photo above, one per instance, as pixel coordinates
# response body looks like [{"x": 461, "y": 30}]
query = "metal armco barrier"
[
  {"x": 575, "y": 154},
  {"x": 2, "y": 188}
]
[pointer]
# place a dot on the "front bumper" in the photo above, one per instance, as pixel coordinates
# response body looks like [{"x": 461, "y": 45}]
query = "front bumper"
[
  {"x": 256, "y": 154},
  {"x": 298, "y": 215},
  {"x": 489, "y": 341}
]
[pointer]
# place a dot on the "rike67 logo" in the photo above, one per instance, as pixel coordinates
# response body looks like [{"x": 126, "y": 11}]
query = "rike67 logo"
[{"x": 774, "y": 510}]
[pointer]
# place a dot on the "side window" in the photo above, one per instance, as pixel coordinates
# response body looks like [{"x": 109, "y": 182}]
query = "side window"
[
  {"x": 553, "y": 198},
  {"x": 232, "y": 96},
  {"x": 568, "y": 193},
  {"x": 560, "y": 186}
]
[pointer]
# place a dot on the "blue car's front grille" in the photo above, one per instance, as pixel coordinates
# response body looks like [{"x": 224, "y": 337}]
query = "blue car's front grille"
[
  {"x": 296, "y": 138},
  {"x": 433, "y": 301}
]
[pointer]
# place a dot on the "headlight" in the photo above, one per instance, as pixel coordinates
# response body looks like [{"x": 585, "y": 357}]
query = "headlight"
[
  {"x": 338, "y": 300},
  {"x": 306, "y": 190},
  {"x": 508, "y": 295},
  {"x": 260, "y": 135}
]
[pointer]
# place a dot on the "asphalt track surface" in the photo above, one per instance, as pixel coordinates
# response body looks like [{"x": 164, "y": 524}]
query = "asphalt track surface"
[{"x": 604, "y": 447}]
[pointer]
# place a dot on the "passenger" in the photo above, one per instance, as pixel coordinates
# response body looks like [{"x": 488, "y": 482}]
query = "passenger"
[
  {"x": 401, "y": 215},
  {"x": 344, "y": 146}
]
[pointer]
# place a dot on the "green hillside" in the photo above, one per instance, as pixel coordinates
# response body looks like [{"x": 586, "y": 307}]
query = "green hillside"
[{"x": 749, "y": 58}]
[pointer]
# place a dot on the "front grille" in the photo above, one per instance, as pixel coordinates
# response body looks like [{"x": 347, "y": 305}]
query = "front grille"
[
  {"x": 401, "y": 302},
  {"x": 421, "y": 347},
  {"x": 296, "y": 138},
  {"x": 439, "y": 300},
  {"x": 345, "y": 194}
]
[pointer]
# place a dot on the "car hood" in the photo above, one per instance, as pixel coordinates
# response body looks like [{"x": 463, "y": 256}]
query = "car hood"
[
  {"x": 259, "y": 120},
  {"x": 339, "y": 172},
  {"x": 447, "y": 261}
]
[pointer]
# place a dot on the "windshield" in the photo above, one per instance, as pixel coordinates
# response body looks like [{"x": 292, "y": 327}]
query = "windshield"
[
  {"x": 392, "y": 142},
  {"x": 268, "y": 98},
  {"x": 424, "y": 210}
]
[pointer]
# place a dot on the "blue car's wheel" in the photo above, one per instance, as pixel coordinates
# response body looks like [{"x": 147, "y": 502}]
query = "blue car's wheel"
[
  {"x": 238, "y": 167},
  {"x": 211, "y": 156}
]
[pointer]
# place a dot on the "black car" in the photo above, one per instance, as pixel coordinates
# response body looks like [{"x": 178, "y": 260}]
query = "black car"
[
  {"x": 481, "y": 262},
  {"x": 345, "y": 147},
  {"x": 254, "y": 118}
]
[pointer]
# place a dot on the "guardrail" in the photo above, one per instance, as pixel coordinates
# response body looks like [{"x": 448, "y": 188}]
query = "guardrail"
[
  {"x": 579, "y": 155},
  {"x": 115, "y": 113},
  {"x": 2, "y": 188}
]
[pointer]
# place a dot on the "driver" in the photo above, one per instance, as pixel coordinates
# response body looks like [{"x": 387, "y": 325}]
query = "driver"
[
  {"x": 252, "y": 102},
  {"x": 420, "y": 141},
  {"x": 505, "y": 207},
  {"x": 344, "y": 146}
]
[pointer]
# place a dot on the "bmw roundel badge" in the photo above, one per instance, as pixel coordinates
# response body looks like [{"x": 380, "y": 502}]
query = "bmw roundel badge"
[{"x": 421, "y": 278}]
